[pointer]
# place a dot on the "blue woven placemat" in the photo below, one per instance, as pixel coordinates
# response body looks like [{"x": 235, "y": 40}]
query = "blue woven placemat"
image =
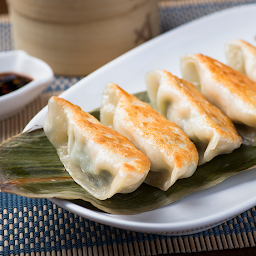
[
  {"x": 35, "y": 226},
  {"x": 39, "y": 227}
]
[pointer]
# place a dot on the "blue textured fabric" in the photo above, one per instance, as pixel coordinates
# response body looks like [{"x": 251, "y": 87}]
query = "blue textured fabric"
[
  {"x": 6, "y": 42},
  {"x": 37, "y": 225},
  {"x": 62, "y": 83},
  {"x": 47, "y": 227},
  {"x": 176, "y": 14}
]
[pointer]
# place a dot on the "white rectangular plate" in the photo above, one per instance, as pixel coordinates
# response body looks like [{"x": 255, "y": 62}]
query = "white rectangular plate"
[{"x": 207, "y": 35}]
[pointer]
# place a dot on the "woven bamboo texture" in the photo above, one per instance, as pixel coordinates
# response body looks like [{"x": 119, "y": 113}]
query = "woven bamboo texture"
[{"x": 39, "y": 227}]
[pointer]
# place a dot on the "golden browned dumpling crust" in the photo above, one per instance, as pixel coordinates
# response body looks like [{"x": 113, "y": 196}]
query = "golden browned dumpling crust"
[
  {"x": 177, "y": 99},
  {"x": 98, "y": 158},
  {"x": 231, "y": 91},
  {"x": 237, "y": 83},
  {"x": 169, "y": 149},
  {"x": 106, "y": 137}
]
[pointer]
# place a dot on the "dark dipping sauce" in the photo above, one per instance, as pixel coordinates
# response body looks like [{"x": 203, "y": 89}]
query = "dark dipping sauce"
[{"x": 10, "y": 82}]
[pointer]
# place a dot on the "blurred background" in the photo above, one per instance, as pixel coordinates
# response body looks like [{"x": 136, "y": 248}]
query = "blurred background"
[{"x": 77, "y": 37}]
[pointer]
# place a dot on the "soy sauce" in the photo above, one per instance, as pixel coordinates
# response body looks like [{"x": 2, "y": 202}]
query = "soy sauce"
[{"x": 10, "y": 82}]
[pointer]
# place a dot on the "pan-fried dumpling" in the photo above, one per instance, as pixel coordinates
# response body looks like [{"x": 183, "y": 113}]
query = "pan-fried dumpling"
[
  {"x": 179, "y": 101},
  {"x": 99, "y": 159},
  {"x": 241, "y": 56},
  {"x": 169, "y": 149},
  {"x": 231, "y": 91}
]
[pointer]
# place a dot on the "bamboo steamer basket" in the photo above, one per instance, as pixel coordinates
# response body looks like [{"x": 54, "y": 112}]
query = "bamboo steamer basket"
[{"x": 75, "y": 37}]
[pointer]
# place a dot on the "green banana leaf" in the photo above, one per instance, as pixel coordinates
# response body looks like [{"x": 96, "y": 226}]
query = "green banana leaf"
[{"x": 30, "y": 166}]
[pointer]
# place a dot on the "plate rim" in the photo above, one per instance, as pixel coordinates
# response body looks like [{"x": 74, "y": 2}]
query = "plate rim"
[
  {"x": 179, "y": 228},
  {"x": 189, "y": 227}
]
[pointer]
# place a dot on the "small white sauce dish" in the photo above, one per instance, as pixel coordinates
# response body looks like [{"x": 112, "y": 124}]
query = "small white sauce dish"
[{"x": 21, "y": 63}]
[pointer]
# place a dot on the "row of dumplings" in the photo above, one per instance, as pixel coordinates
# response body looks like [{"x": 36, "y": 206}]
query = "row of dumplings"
[{"x": 135, "y": 143}]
